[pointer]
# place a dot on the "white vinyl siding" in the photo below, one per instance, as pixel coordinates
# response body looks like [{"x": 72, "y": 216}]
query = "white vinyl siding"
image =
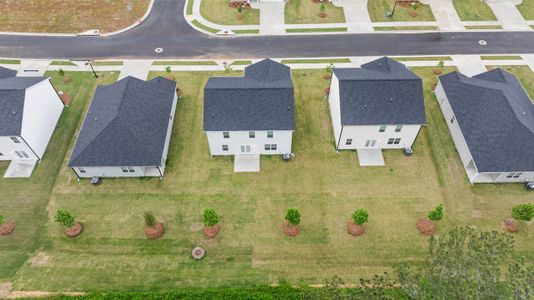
[{"x": 241, "y": 140}]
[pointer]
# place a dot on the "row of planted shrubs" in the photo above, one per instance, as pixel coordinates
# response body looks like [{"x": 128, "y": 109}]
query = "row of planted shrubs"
[{"x": 155, "y": 229}]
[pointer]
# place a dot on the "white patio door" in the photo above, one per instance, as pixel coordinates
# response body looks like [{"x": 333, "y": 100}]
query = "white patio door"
[
  {"x": 245, "y": 149},
  {"x": 370, "y": 143}
]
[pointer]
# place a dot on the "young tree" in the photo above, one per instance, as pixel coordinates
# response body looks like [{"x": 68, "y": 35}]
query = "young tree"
[
  {"x": 239, "y": 9},
  {"x": 210, "y": 217},
  {"x": 61, "y": 72},
  {"x": 330, "y": 68},
  {"x": 360, "y": 216},
  {"x": 322, "y": 7},
  {"x": 2, "y": 220},
  {"x": 293, "y": 216},
  {"x": 523, "y": 212},
  {"x": 64, "y": 218},
  {"x": 436, "y": 214},
  {"x": 441, "y": 64},
  {"x": 168, "y": 69},
  {"x": 150, "y": 220}
]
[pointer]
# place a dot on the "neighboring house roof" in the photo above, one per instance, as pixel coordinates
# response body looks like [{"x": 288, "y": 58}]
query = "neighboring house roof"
[
  {"x": 126, "y": 124},
  {"x": 261, "y": 100},
  {"x": 5, "y": 73},
  {"x": 12, "y": 96},
  {"x": 496, "y": 117},
  {"x": 381, "y": 92}
]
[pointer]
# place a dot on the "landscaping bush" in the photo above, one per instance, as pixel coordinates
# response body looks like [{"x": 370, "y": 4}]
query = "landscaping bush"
[
  {"x": 168, "y": 69},
  {"x": 2, "y": 220},
  {"x": 64, "y": 218},
  {"x": 523, "y": 212},
  {"x": 210, "y": 217},
  {"x": 150, "y": 220},
  {"x": 360, "y": 216},
  {"x": 293, "y": 216},
  {"x": 61, "y": 72},
  {"x": 436, "y": 214}
]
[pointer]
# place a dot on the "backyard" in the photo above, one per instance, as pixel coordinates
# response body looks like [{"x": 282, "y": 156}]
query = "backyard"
[
  {"x": 473, "y": 10},
  {"x": 404, "y": 11},
  {"x": 220, "y": 12},
  {"x": 66, "y": 16},
  {"x": 113, "y": 254},
  {"x": 309, "y": 12}
]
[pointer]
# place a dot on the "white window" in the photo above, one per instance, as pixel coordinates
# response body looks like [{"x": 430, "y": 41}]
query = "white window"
[
  {"x": 348, "y": 142},
  {"x": 452, "y": 119},
  {"x": 382, "y": 128},
  {"x": 398, "y": 128},
  {"x": 251, "y": 134},
  {"x": 514, "y": 175},
  {"x": 124, "y": 169},
  {"x": 370, "y": 143},
  {"x": 226, "y": 134},
  {"x": 131, "y": 169},
  {"x": 390, "y": 141},
  {"x": 15, "y": 140},
  {"x": 81, "y": 170},
  {"x": 270, "y": 134},
  {"x": 397, "y": 141},
  {"x": 225, "y": 147},
  {"x": 270, "y": 147}
]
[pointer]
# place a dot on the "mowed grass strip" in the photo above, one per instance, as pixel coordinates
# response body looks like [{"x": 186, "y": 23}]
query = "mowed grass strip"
[
  {"x": 60, "y": 16},
  {"x": 473, "y": 10},
  {"x": 251, "y": 250}
]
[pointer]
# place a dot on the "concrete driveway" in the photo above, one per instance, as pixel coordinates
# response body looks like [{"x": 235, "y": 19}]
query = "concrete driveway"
[
  {"x": 272, "y": 17},
  {"x": 357, "y": 16},
  {"x": 508, "y": 14},
  {"x": 445, "y": 15},
  {"x": 136, "y": 68},
  {"x": 469, "y": 65},
  {"x": 370, "y": 157}
]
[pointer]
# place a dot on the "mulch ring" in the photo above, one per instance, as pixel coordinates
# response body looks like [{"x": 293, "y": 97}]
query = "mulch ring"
[
  {"x": 291, "y": 230},
  {"x": 236, "y": 4},
  {"x": 322, "y": 15},
  {"x": 155, "y": 232},
  {"x": 510, "y": 225},
  {"x": 66, "y": 98},
  {"x": 425, "y": 226},
  {"x": 327, "y": 76},
  {"x": 74, "y": 231},
  {"x": 406, "y": 4},
  {"x": 7, "y": 228},
  {"x": 413, "y": 14},
  {"x": 355, "y": 229},
  {"x": 327, "y": 91},
  {"x": 211, "y": 232},
  {"x": 437, "y": 71}
]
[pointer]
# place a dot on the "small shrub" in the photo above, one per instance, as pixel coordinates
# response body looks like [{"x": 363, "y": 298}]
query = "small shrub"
[
  {"x": 329, "y": 68},
  {"x": 322, "y": 7},
  {"x": 293, "y": 216},
  {"x": 64, "y": 218},
  {"x": 168, "y": 69},
  {"x": 2, "y": 220},
  {"x": 436, "y": 214},
  {"x": 441, "y": 64},
  {"x": 523, "y": 212},
  {"x": 239, "y": 9},
  {"x": 61, "y": 72},
  {"x": 210, "y": 217},
  {"x": 360, "y": 216},
  {"x": 150, "y": 220}
]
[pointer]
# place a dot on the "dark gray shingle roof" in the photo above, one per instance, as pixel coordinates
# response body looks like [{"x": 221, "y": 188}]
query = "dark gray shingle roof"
[
  {"x": 382, "y": 92},
  {"x": 5, "y": 73},
  {"x": 126, "y": 124},
  {"x": 496, "y": 117},
  {"x": 12, "y": 95},
  {"x": 261, "y": 100}
]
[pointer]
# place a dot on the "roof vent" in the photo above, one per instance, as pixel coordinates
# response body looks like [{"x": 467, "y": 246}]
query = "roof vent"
[
  {"x": 14, "y": 112},
  {"x": 212, "y": 115},
  {"x": 96, "y": 119},
  {"x": 391, "y": 100},
  {"x": 288, "y": 108},
  {"x": 365, "y": 106}
]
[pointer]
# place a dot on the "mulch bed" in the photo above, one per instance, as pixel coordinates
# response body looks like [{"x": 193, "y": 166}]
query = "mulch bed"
[
  {"x": 413, "y": 14},
  {"x": 327, "y": 91},
  {"x": 74, "y": 231},
  {"x": 425, "y": 226},
  {"x": 7, "y": 228},
  {"x": 322, "y": 15},
  {"x": 434, "y": 86},
  {"x": 355, "y": 229},
  {"x": 211, "y": 232},
  {"x": 327, "y": 77},
  {"x": 406, "y": 4},
  {"x": 236, "y": 4},
  {"x": 437, "y": 71},
  {"x": 510, "y": 225},
  {"x": 66, "y": 98},
  {"x": 153, "y": 233},
  {"x": 291, "y": 230},
  {"x": 66, "y": 79}
]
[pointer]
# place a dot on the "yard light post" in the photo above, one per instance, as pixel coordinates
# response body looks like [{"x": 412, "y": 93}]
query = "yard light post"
[{"x": 389, "y": 14}]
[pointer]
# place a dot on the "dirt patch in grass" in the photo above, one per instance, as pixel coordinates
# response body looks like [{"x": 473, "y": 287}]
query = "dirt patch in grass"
[
  {"x": 426, "y": 226},
  {"x": 68, "y": 16},
  {"x": 7, "y": 228},
  {"x": 41, "y": 259}
]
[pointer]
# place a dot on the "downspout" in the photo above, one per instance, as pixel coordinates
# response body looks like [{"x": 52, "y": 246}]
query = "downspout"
[
  {"x": 76, "y": 174},
  {"x": 339, "y": 139},
  {"x": 417, "y": 135}
]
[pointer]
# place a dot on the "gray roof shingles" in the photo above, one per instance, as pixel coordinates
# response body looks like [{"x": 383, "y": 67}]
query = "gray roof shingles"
[
  {"x": 381, "y": 92},
  {"x": 12, "y": 96},
  {"x": 496, "y": 117},
  {"x": 261, "y": 100},
  {"x": 126, "y": 124}
]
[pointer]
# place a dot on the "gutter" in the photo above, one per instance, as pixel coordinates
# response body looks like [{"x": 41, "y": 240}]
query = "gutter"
[{"x": 39, "y": 158}]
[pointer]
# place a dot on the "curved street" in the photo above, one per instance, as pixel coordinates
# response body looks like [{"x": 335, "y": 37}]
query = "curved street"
[{"x": 167, "y": 28}]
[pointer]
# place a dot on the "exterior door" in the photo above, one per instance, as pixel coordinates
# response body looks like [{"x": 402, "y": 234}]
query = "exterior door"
[
  {"x": 370, "y": 143},
  {"x": 245, "y": 149}
]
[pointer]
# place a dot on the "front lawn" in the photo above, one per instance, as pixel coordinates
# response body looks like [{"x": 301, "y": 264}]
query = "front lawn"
[
  {"x": 377, "y": 11},
  {"x": 62, "y": 16},
  {"x": 219, "y": 12},
  {"x": 113, "y": 254},
  {"x": 527, "y": 9},
  {"x": 473, "y": 10},
  {"x": 308, "y": 12}
]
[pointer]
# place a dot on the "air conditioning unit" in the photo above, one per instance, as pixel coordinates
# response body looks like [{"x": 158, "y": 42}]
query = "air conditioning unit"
[
  {"x": 408, "y": 151},
  {"x": 530, "y": 186}
]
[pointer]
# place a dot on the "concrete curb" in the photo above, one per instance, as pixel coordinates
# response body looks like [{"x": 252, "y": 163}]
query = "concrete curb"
[{"x": 147, "y": 13}]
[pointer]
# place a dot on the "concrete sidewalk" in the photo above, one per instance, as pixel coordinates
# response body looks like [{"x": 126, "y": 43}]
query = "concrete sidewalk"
[
  {"x": 508, "y": 14},
  {"x": 469, "y": 65},
  {"x": 272, "y": 18},
  {"x": 137, "y": 68},
  {"x": 356, "y": 16}
]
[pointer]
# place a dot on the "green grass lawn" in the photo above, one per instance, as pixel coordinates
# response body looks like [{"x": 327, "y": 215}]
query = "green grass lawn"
[
  {"x": 527, "y": 9},
  {"x": 219, "y": 12},
  {"x": 112, "y": 253},
  {"x": 25, "y": 200},
  {"x": 377, "y": 11},
  {"x": 307, "y": 12},
  {"x": 473, "y": 10}
]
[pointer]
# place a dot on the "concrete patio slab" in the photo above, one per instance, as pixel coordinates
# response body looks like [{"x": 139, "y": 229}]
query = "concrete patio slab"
[
  {"x": 136, "y": 68},
  {"x": 370, "y": 157},
  {"x": 20, "y": 168},
  {"x": 357, "y": 16},
  {"x": 247, "y": 163},
  {"x": 272, "y": 19}
]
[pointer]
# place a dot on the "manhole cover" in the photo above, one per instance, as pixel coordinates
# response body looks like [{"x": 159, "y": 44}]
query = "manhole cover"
[
  {"x": 483, "y": 42},
  {"x": 158, "y": 50}
]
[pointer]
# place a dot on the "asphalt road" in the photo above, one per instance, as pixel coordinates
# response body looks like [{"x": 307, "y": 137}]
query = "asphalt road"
[{"x": 166, "y": 28}]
